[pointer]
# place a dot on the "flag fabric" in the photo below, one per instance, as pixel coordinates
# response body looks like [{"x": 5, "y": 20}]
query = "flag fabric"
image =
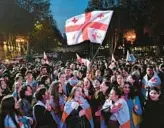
[
  {"x": 112, "y": 65},
  {"x": 113, "y": 59},
  {"x": 45, "y": 58},
  {"x": 70, "y": 106},
  {"x": 79, "y": 59},
  {"x": 82, "y": 60},
  {"x": 89, "y": 26},
  {"x": 155, "y": 81},
  {"x": 133, "y": 59},
  {"x": 130, "y": 57}
]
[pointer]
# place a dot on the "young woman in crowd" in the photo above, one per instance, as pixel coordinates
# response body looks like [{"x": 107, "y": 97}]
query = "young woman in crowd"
[
  {"x": 98, "y": 75},
  {"x": 133, "y": 103},
  {"x": 113, "y": 80},
  {"x": 30, "y": 80},
  {"x": 105, "y": 88},
  {"x": 98, "y": 100},
  {"x": 115, "y": 111},
  {"x": 10, "y": 116},
  {"x": 153, "y": 110},
  {"x": 46, "y": 81},
  {"x": 42, "y": 110},
  {"x": 57, "y": 101},
  {"x": 77, "y": 111},
  {"x": 26, "y": 97},
  {"x": 135, "y": 83},
  {"x": 125, "y": 73},
  {"x": 4, "y": 90},
  {"x": 88, "y": 89},
  {"x": 120, "y": 81},
  {"x": 17, "y": 86}
]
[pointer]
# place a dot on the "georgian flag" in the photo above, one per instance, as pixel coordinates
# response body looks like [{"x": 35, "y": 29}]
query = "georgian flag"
[
  {"x": 82, "y": 60},
  {"x": 89, "y": 26}
]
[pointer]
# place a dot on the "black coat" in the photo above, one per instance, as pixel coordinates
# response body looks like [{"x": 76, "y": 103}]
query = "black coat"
[
  {"x": 75, "y": 121},
  {"x": 44, "y": 118},
  {"x": 153, "y": 114}
]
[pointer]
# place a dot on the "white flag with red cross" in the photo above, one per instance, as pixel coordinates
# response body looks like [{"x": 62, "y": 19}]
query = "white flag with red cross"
[
  {"x": 89, "y": 26},
  {"x": 82, "y": 60}
]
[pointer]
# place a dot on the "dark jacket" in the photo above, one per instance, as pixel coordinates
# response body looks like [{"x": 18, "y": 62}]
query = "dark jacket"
[
  {"x": 43, "y": 117},
  {"x": 153, "y": 114}
]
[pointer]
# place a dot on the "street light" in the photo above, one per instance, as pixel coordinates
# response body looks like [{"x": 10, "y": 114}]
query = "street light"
[
  {"x": 20, "y": 41},
  {"x": 130, "y": 36}
]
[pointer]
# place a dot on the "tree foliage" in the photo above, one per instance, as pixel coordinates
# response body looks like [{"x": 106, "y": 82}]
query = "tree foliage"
[
  {"x": 39, "y": 8},
  {"x": 134, "y": 14},
  {"x": 14, "y": 19},
  {"x": 45, "y": 34}
]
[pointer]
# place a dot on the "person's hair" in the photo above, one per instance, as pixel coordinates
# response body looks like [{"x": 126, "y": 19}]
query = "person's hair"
[
  {"x": 28, "y": 72},
  {"x": 2, "y": 79},
  {"x": 135, "y": 67},
  {"x": 131, "y": 93},
  {"x": 107, "y": 83},
  {"x": 23, "y": 90},
  {"x": 80, "y": 83},
  {"x": 150, "y": 66},
  {"x": 59, "y": 74},
  {"x": 39, "y": 93},
  {"x": 134, "y": 77},
  {"x": 18, "y": 77},
  {"x": 156, "y": 89},
  {"x": 125, "y": 69},
  {"x": 43, "y": 79},
  {"x": 71, "y": 96},
  {"x": 8, "y": 108},
  {"x": 117, "y": 90},
  {"x": 42, "y": 68},
  {"x": 122, "y": 82},
  {"x": 106, "y": 80},
  {"x": 54, "y": 92},
  {"x": 81, "y": 71}
]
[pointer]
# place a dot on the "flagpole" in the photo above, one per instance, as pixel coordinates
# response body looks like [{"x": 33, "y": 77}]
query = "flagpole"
[{"x": 95, "y": 54}]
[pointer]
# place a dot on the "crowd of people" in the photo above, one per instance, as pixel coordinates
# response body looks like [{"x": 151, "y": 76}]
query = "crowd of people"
[{"x": 108, "y": 94}]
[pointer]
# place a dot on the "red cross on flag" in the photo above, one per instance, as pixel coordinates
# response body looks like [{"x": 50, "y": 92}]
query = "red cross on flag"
[{"x": 89, "y": 26}]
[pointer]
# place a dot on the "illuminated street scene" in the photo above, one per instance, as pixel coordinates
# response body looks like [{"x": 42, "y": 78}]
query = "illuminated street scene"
[{"x": 81, "y": 64}]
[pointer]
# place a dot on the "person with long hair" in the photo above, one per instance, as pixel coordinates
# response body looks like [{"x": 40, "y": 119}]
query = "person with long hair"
[
  {"x": 88, "y": 89},
  {"x": 133, "y": 102},
  {"x": 120, "y": 81},
  {"x": 26, "y": 97},
  {"x": 135, "y": 83},
  {"x": 10, "y": 116},
  {"x": 115, "y": 110},
  {"x": 97, "y": 102},
  {"x": 153, "y": 113},
  {"x": 4, "y": 90},
  {"x": 57, "y": 101},
  {"x": 42, "y": 110},
  {"x": 45, "y": 80},
  {"x": 77, "y": 112}
]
